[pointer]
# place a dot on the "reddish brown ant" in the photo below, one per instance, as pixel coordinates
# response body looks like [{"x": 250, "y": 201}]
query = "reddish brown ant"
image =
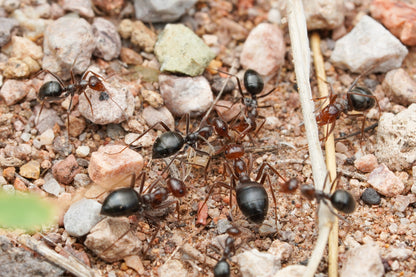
[{"x": 355, "y": 99}]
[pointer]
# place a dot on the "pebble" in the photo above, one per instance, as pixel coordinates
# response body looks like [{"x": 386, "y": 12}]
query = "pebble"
[
  {"x": 47, "y": 137},
  {"x": 66, "y": 40},
  {"x": 13, "y": 91},
  {"x": 366, "y": 163},
  {"x": 76, "y": 125},
  {"x": 152, "y": 116},
  {"x": 264, "y": 49},
  {"x": 109, "y": 170},
  {"x": 19, "y": 185},
  {"x": 9, "y": 173},
  {"x": 371, "y": 197},
  {"x": 401, "y": 202},
  {"x": 16, "y": 68},
  {"x": 31, "y": 26},
  {"x": 396, "y": 135},
  {"x": 129, "y": 56},
  {"x": 81, "y": 180},
  {"x": 22, "y": 47},
  {"x": 52, "y": 186},
  {"x": 172, "y": 268},
  {"x": 135, "y": 262},
  {"x": 110, "y": 7},
  {"x": 268, "y": 228},
  {"x": 65, "y": 170},
  {"x": 400, "y": 87},
  {"x": 327, "y": 14},
  {"x": 111, "y": 240},
  {"x": 82, "y": 151},
  {"x": 82, "y": 216},
  {"x": 9, "y": 189},
  {"x": 62, "y": 146},
  {"x": 363, "y": 261},
  {"x": 398, "y": 253},
  {"x": 82, "y": 7},
  {"x": 281, "y": 250},
  {"x": 291, "y": 271},
  {"x": 228, "y": 110},
  {"x": 6, "y": 26},
  {"x": 47, "y": 119},
  {"x": 2, "y": 181},
  {"x": 161, "y": 11},
  {"x": 257, "y": 264},
  {"x": 146, "y": 140},
  {"x": 115, "y": 109},
  {"x": 186, "y": 95},
  {"x": 222, "y": 225},
  {"x": 108, "y": 42},
  {"x": 179, "y": 50},
  {"x": 367, "y": 44},
  {"x": 398, "y": 17},
  {"x": 153, "y": 98},
  {"x": 115, "y": 131},
  {"x": 139, "y": 34},
  {"x": 21, "y": 151},
  {"x": 385, "y": 182},
  {"x": 30, "y": 170}
]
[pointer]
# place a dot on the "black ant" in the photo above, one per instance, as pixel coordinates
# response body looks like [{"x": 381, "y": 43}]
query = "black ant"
[
  {"x": 254, "y": 85},
  {"x": 355, "y": 99},
  {"x": 222, "y": 268}
]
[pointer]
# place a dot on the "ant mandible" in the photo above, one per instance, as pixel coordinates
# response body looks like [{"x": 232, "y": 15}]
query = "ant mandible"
[{"x": 355, "y": 99}]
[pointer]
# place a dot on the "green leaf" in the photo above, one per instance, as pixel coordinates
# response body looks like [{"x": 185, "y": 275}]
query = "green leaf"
[{"x": 27, "y": 212}]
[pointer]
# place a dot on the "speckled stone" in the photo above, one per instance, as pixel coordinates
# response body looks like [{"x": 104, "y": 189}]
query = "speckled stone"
[
  {"x": 152, "y": 116},
  {"x": 160, "y": 10},
  {"x": 254, "y": 263},
  {"x": 108, "y": 42},
  {"x": 321, "y": 14},
  {"x": 65, "y": 170},
  {"x": 400, "y": 87}
]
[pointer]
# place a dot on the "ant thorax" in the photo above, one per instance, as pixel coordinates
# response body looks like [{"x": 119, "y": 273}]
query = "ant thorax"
[{"x": 341, "y": 103}]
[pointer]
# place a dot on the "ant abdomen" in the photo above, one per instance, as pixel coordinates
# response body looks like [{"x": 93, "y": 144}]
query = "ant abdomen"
[
  {"x": 253, "y": 82},
  {"x": 167, "y": 144},
  {"x": 121, "y": 202},
  {"x": 343, "y": 201},
  {"x": 50, "y": 91},
  {"x": 176, "y": 187},
  {"x": 359, "y": 100},
  {"x": 253, "y": 201}
]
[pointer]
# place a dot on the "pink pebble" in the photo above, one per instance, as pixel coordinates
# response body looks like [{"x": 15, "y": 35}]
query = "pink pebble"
[
  {"x": 385, "y": 182},
  {"x": 366, "y": 163}
]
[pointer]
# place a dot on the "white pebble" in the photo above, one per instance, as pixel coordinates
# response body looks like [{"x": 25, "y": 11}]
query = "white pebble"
[
  {"x": 25, "y": 137},
  {"x": 82, "y": 151},
  {"x": 46, "y": 138}
]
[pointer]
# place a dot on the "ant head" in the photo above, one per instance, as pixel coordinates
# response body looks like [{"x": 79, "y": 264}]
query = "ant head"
[
  {"x": 95, "y": 83},
  {"x": 253, "y": 82}
]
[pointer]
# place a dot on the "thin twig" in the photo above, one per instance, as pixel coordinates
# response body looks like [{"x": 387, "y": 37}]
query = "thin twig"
[{"x": 301, "y": 57}]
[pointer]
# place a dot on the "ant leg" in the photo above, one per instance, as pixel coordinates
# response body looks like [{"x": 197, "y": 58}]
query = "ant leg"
[
  {"x": 263, "y": 166},
  {"x": 41, "y": 108},
  {"x": 274, "y": 199},
  {"x": 216, "y": 184},
  {"x": 240, "y": 89},
  {"x": 88, "y": 99},
  {"x": 269, "y": 92},
  {"x": 53, "y": 74}
]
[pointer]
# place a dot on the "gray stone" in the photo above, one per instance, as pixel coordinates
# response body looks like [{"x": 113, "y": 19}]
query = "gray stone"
[
  {"x": 82, "y": 216},
  {"x": 152, "y": 116},
  {"x": 385, "y": 182},
  {"x": 68, "y": 40},
  {"x": 400, "y": 87},
  {"x": 108, "y": 42},
  {"x": 52, "y": 186},
  {"x": 115, "y": 131},
  {"x": 81, "y": 180},
  {"x": 364, "y": 261},
  {"x": 222, "y": 225},
  {"x": 112, "y": 240},
  {"x": 114, "y": 106},
  {"x": 398, "y": 253},
  {"x": 180, "y": 50},
  {"x": 6, "y": 26},
  {"x": 161, "y": 10},
  {"x": 47, "y": 119},
  {"x": 184, "y": 95},
  {"x": 327, "y": 14},
  {"x": 396, "y": 139},
  {"x": 264, "y": 50},
  {"x": 368, "y": 44},
  {"x": 371, "y": 197},
  {"x": 257, "y": 264}
]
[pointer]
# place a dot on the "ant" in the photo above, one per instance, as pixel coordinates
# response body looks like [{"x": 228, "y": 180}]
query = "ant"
[
  {"x": 356, "y": 98},
  {"x": 254, "y": 85},
  {"x": 222, "y": 268}
]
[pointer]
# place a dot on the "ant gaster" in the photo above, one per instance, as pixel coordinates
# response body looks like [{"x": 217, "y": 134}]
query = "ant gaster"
[{"x": 222, "y": 268}]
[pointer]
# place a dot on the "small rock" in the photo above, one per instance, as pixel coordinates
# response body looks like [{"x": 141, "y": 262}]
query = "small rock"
[
  {"x": 13, "y": 91},
  {"x": 76, "y": 125},
  {"x": 19, "y": 185},
  {"x": 6, "y": 26},
  {"x": 291, "y": 271},
  {"x": 281, "y": 250},
  {"x": 152, "y": 116},
  {"x": 255, "y": 263},
  {"x": 228, "y": 110},
  {"x": 172, "y": 268},
  {"x": 161, "y": 11},
  {"x": 264, "y": 50},
  {"x": 320, "y": 14},
  {"x": 366, "y": 163},
  {"x": 385, "y": 182},
  {"x": 398, "y": 17},
  {"x": 82, "y": 216},
  {"x": 231, "y": 28},
  {"x": 16, "y": 68},
  {"x": 62, "y": 146},
  {"x": 84, "y": 8},
  {"x": 65, "y": 170},
  {"x": 47, "y": 137},
  {"x": 180, "y": 50},
  {"x": 222, "y": 225},
  {"x": 153, "y": 98},
  {"x": 30, "y": 170},
  {"x": 109, "y": 168},
  {"x": 146, "y": 140},
  {"x": 32, "y": 27},
  {"x": 139, "y": 34},
  {"x": 68, "y": 40},
  {"x": 9, "y": 189},
  {"x": 21, "y": 151},
  {"x": 81, "y": 180},
  {"x": 401, "y": 202},
  {"x": 218, "y": 84},
  {"x": 9, "y": 173},
  {"x": 82, "y": 151},
  {"x": 396, "y": 138},
  {"x": 363, "y": 261},
  {"x": 112, "y": 240},
  {"x": 115, "y": 131},
  {"x": 398, "y": 253},
  {"x": 22, "y": 47},
  {"x": 114, "y": 105},
  {"x": 108, "y": 42},
  {"x": 186, "y": 95},
  {"x": 371, "y": 197},
  {"x": 52, "y": 186},
  {"x": 3, "y": 181},
  {"x": 110, "y": 7},
  {"x": 267, "y": 228},
  {"x": 129, "y": 56},
  {"x": 369, "y": 43},
  {"x": 47, "y": 119},
  {"x": 400, "y": 87},
  {"x": 136, "y": 263}
]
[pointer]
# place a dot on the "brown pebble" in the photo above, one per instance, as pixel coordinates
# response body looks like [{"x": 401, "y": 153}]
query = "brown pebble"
[
  {"x": 65, "y": 170},
  {"x": 76, "y": 125},
  {"x": 135, "y": 262},
  {"x": 30, "y": 170},
  {"x": 8, "y": 173},
  {"x": 130, "y": 56},
  {"x": 19, "y": 185},
  {"x": 366, "y": 163}
]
